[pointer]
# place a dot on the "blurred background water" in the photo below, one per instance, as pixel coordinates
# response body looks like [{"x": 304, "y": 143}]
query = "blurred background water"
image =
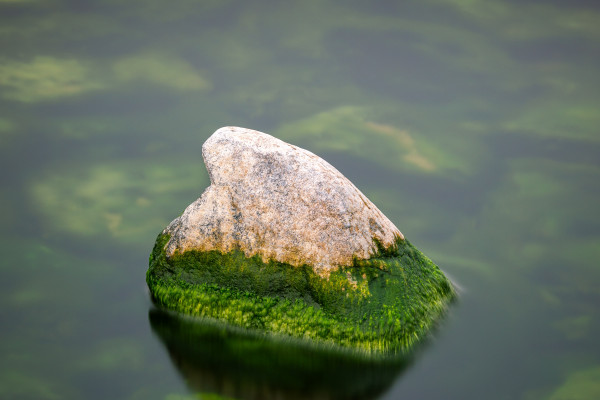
[{"x": 474, "y": 125}]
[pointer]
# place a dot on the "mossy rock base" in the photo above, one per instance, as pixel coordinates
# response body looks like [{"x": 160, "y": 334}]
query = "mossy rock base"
[{"x": 381, "y": 306}]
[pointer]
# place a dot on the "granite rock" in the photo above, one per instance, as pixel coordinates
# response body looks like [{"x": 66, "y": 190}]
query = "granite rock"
[
  {"x": 283, "y": 245},
  {"x": 281, "y": 202}
]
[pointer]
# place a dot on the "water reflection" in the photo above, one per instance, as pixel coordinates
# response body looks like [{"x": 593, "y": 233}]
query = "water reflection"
[{"x": 213, "y": 359}]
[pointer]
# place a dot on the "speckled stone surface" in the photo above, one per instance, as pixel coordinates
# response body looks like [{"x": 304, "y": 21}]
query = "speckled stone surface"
[{"x": 281, "y": 202}]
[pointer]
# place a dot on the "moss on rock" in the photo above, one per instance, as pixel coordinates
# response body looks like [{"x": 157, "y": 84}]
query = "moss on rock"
[{"x": 383, "y": 305}]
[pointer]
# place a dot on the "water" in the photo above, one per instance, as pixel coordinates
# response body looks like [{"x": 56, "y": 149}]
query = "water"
[{"x": 473, "y": 125}]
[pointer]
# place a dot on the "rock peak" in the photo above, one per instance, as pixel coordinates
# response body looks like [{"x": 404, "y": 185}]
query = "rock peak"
[{"x": 281, "y": 202}]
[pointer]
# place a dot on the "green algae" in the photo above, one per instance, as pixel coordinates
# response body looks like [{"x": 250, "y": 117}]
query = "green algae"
[
  {"x": 122, "y": 200},
  {"x": 583, "y": 384},
  {"x": 384, "y": 305},
  {"x": 45, "y": 78},
  {"x": 386, "y": 137},
  {"x": 160, "y": 69}
]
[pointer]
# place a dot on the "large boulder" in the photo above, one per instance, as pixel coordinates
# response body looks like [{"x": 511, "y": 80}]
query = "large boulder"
[{"x": 281, "y": 242}]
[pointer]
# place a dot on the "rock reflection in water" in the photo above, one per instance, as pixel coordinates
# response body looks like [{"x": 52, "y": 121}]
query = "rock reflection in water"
[{"x": 214, "y": 359}]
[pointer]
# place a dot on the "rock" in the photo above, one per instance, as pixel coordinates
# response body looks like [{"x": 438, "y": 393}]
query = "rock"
[
  {"x": 280, "y": 202},
  {"x": 281, "y": 242}
]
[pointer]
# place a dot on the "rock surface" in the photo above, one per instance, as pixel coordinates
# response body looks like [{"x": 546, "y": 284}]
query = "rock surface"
[
  {"x": 283, "y": 245},
  {"x": 280, "y": 202}
]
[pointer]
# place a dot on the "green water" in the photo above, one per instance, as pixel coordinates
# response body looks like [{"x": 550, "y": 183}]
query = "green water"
[{"x": 474, "y": 125}]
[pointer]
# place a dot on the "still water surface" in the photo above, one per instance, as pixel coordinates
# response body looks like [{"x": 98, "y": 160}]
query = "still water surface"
[{"x": 473, "y": 125}]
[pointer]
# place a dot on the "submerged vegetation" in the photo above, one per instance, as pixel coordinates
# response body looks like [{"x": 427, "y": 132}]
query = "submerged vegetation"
[{"x": 383, "y": 305}]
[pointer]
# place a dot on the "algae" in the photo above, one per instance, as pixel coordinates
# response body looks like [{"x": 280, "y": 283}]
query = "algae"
[
  {"x": 119, "y": 200},
  {"x": 160, "y": 69},
  {"x": 386, "y": 137},
  {"x": 45, "y": 78},
  {"x": 383, "y": 305},
  {"x": 580, "y": 385}
]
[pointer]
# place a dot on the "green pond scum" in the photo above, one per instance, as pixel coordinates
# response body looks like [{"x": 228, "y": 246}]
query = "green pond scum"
[{"x": 378, "y": 307}]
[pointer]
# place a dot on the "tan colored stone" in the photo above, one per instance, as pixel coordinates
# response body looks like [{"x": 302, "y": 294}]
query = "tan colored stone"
[{"x": 279, "y": 201}]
